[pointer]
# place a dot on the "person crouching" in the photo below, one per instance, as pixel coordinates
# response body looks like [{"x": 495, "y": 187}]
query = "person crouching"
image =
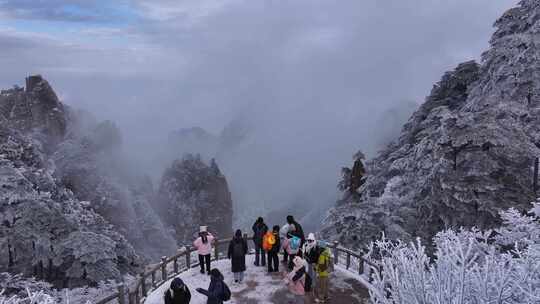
[{"x": 298, "y": 281}]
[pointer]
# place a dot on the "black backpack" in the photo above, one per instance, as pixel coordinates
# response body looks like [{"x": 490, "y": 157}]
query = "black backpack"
[
  {"x": 225, "y": 293},
  {"x": 238, "y": 249}
]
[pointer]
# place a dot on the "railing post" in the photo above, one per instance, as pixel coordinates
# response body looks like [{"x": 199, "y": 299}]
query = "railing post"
[
  {"x": 143, "y": 284},
  {"x": 188, "y": 258},
  {"x": 154, "y": 278},
  {"x": 216, "y": 249},
  {"x": 348, "y": 263},
  {"x": 336, "y": 252},
  {"x": 164, "y": 268},
  {"x": 360, "y": 266},
  {"x": 121, "y": 297}
]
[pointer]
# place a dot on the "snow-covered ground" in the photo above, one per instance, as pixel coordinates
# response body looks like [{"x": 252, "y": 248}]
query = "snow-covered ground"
[{"x": 259, "y": 287}]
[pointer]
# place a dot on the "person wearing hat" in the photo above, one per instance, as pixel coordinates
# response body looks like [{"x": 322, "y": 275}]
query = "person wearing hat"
[
  {"x": 178, "y": 293},
  {"x": 322, "y": 268},
  {"x": 204, "y": 248},
  {"x": 310, "y": 252}
]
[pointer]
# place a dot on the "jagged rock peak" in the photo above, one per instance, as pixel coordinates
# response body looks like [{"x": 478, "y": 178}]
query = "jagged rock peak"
[
  {"x": 192, "y": 194},
  {"x": 35, "y": 109}
]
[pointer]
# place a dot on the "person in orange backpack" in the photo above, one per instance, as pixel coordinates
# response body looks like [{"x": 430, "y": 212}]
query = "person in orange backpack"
[{"x": 273, "y": 259}]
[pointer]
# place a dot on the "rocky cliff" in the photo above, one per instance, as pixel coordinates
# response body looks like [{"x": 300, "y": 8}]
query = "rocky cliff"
[
  {"x": 45, "y": 230},
  {"x": 465, "y": 154},
  {"x": 193, "y": 193}
]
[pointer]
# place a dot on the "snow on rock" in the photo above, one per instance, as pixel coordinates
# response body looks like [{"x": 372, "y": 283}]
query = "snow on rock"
[
  {"x": 45, "y": 231},
  {"x": 197, "y": 193},
  {"x": 465, "y": 154},
  {"x": 260, "y": 287}
]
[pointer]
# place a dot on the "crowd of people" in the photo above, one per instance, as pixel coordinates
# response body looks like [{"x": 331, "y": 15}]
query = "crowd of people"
[{"x": 307, "y": 263}]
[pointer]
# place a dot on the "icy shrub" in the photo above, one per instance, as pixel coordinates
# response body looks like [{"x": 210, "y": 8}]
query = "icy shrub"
[{"x": 469, "y": 266}]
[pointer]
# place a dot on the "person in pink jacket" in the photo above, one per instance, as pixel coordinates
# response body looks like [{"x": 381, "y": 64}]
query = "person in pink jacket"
[
  {"x": 204, "y": 248},
  {"x": 298, "y": 281}
]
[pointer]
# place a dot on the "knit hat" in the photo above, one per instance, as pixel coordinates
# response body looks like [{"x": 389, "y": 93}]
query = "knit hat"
[
  {"x": 311, "y": 237},
  {"x": 203, "y": 229}
]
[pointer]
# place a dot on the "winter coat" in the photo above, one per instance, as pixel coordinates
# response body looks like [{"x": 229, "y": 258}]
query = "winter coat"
[
  {"x": 296, "y": 279},
  {"x": 182, "y": 296},
  {"x": 238, "y": 259},
  {"x": 311, "y": 255},
  {"x": 259, "y": 230},
  {"x": 323, "y": 263},
  {"x": 277, "y": 245},
  {"x": 214, "y": 290},
  {"x": 204, "y": 248}
]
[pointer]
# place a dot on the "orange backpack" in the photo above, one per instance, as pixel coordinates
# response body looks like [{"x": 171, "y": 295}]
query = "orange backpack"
[{"x": 269, "y": 239}]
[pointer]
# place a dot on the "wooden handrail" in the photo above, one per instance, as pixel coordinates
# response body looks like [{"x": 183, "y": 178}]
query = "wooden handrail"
[{"x": 140, "y": 289}]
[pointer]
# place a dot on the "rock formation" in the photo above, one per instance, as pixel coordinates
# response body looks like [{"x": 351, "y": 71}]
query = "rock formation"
[
  {"x": 193, "y": 193},
  {"x": 465, "y": 154},
  {"x": 45, "y": 231}
]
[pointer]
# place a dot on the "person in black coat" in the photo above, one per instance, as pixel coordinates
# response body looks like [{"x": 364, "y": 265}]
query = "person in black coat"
[
  {"x": 178, "y": 293},
  {"x": 296, "y": 229},
  {"x": 259, "y": 230},
  {"x": 238, "y": 249},
  {"x": 217, "y": 289},
  {"x": 273, "y": 259}
]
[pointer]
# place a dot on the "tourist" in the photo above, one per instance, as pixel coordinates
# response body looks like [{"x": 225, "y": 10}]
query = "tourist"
[
  {"x": 218, "y": 291},
  {"x": 298, "y": 281},
  {"x": 204, "y": 248},
  {"x": 238, "y": 249},
  {"x": 259, "y": 230},
  {"x": 323, "y": 268},
  {"x": 292, "y": 246},
  {"x": 285, "y": 229},
  {"x": 310, "y": 252},
  {"x": 273, "y": 259},
  {"x": 296, "y": 229}
]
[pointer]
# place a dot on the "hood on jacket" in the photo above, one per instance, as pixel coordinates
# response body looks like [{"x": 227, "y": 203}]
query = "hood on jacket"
[{"x": 238, "y": 234}]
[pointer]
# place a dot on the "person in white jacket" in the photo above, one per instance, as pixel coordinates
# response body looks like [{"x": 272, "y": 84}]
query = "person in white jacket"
[
  {"x": 285, "y": 229},
  {"x": 204, "y": 248}
]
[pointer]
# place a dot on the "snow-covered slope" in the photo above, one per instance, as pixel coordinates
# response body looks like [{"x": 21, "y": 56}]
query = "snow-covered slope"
[{"x": 465, "y": 154}]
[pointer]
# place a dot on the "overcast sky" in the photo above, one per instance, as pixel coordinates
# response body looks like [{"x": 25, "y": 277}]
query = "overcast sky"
[{"x": 312, "y": 76}]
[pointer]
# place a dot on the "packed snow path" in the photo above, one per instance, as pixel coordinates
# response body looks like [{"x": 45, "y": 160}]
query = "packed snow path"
[{"x": 259, "y": 287}]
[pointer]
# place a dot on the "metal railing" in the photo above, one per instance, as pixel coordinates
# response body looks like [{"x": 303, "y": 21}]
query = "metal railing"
[{"x": 156, "y": 275}]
